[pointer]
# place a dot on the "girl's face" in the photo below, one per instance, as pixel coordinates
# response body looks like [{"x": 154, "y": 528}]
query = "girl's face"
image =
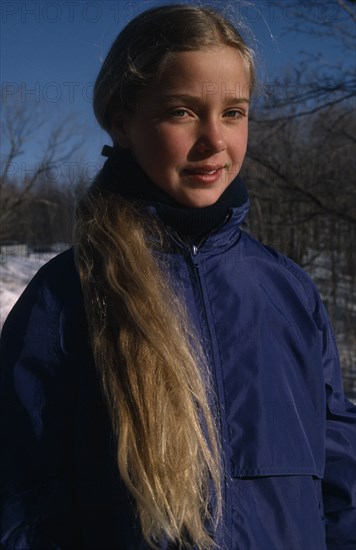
[{"x": 189, "y": 131}]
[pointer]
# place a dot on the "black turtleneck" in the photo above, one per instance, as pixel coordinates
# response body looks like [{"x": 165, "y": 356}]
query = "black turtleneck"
[{"x": 122, "y": 174}]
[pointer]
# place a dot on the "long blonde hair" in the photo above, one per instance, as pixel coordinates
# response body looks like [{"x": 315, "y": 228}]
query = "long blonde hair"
[{"x": 154, "y": 375}]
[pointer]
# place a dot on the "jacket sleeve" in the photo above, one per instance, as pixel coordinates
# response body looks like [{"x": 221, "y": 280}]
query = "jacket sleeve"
[
  {"x": 37, "y": 396},
  {"x": 339, "y": 483}
]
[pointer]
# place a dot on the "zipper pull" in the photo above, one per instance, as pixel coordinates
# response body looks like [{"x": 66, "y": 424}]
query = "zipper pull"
[{"x": 194, "y": 256}]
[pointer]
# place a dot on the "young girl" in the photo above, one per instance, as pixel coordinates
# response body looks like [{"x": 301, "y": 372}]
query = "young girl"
[{"x": 173, "y": 383}]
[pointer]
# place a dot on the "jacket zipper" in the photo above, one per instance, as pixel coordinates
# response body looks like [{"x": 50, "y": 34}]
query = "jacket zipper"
[
  {"x": 217, "y": 405},
  {"x": 194, "y": 255}
]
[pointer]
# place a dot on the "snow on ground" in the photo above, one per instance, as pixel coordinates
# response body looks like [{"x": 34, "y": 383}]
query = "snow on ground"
[{"x": 15, "y": 273}]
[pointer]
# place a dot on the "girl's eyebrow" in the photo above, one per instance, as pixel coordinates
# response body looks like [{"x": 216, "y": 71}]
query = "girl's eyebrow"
[
  {"x": 229, "y": 99},
  {"x": 173, "y": 98}
]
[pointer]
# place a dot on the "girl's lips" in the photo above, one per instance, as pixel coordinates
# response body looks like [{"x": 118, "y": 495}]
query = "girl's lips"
[
  {"x": 206, "y": 174},
  {"x": 204, "y": 168}
]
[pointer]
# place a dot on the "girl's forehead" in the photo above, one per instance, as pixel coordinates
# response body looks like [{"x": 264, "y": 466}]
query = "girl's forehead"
[
  {"x": 200, "y": 71},
  {"x": 223, "y": 63}
]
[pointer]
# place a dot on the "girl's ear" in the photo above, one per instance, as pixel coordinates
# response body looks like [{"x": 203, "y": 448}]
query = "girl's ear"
[{"x": 119, "y": 132}]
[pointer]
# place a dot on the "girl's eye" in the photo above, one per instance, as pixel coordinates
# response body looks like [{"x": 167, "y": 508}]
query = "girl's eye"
[
  {"x": 179, "y": 113},
  {"x": 234, "y": 113}
]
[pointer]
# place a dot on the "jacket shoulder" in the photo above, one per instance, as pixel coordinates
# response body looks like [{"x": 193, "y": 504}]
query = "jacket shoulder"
[
  {"x": 52, "y": 296},
  {"x": 57, "y": 273},
  {"x": 266, "y": 255}
]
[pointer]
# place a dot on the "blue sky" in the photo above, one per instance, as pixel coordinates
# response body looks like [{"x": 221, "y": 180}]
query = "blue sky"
[{"x": 51, "y": 52}]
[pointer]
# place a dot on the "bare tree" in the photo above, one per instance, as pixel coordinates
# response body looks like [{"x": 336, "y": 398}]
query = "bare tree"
[
  {"x": 20, "y": 123},
  {"x": 318, "y": 81}
]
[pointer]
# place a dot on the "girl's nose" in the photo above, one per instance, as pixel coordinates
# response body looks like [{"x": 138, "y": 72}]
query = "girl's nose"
[{"x": 211, "y": 138}]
